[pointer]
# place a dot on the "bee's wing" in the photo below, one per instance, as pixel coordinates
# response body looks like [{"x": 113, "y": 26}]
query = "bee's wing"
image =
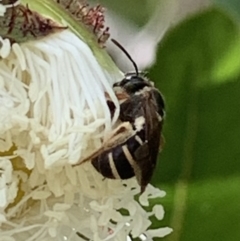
[
  {"x": 117, "y": 136},
  {"x": 148, "y": 152}
]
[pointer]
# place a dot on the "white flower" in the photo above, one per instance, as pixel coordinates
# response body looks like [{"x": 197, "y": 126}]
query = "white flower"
[{"x": 53, "y": 112}]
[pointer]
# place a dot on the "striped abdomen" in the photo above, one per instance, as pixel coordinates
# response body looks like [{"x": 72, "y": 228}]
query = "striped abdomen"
[{"x": 118, "y": 162}]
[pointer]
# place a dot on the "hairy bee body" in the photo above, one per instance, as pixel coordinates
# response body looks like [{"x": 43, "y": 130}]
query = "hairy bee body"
[
  {"x": 136, "y": 155},
  {"x": 133, "y": 146}
]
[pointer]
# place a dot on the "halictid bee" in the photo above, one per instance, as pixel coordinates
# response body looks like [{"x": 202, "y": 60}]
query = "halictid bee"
[{"x": 133, "y": 146}]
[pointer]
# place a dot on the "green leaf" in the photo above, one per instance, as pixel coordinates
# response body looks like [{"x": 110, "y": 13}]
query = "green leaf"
[
  {"x": 209, "y": 43},
  {"x": 200, "y": 163},
  {"x": 233, "y": 6},
  {"x": 213, "y": 211}
]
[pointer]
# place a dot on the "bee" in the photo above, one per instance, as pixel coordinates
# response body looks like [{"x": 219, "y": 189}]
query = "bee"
[{"x": 133, "y": 146}]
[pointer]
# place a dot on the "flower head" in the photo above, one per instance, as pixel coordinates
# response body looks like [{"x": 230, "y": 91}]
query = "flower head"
[{"x": 53, "y": 113}]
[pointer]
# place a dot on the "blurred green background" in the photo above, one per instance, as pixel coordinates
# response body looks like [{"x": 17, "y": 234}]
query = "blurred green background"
[{"x": 198, "y": 71}]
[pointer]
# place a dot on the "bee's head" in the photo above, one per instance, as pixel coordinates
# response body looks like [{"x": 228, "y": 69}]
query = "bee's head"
[{"x": 133, "y": 83}]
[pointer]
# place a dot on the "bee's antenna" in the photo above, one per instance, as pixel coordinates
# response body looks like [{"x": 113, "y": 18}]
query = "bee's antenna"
[{"x": 127, "y": 54}]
